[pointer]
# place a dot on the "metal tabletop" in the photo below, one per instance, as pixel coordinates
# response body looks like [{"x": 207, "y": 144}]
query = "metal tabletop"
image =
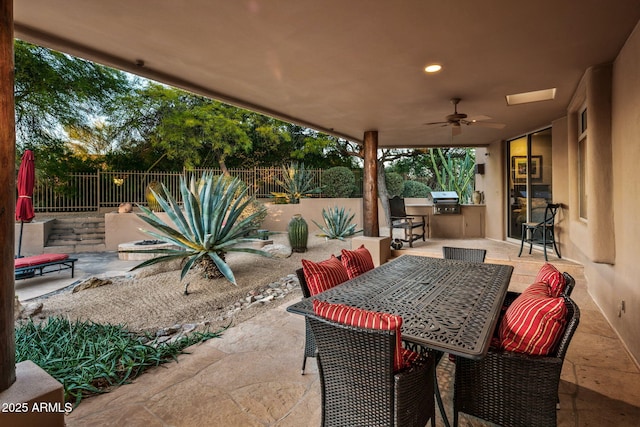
[{"x": 447, "y": 305}]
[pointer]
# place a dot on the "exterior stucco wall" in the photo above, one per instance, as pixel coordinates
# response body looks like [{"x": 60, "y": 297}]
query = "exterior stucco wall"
[
  {"x": 493, "y": 186},
  {"x": 607, "y": 243},
  {"x": 609, "y": 253},
  {"x": 560, "y": 188},
  {"x": 611, "y": 284}
]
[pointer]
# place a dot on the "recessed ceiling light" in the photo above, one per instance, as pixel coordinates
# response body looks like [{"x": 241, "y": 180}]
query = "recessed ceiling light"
[
  {"x": 433, "y": 68},
  {"x": 535, "y": 96}
]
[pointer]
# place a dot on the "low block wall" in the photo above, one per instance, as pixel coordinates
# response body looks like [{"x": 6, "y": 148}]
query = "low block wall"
[
  {"x": 311, "y": 210},
  {"x": 125, "y": 227},
  {"x": 34, "y": 236}
]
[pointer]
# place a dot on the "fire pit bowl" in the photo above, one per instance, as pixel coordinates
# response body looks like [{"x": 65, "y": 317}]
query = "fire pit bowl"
[
  {"x": 148, "y": 242},
  {"x": 141, "y": 247}
]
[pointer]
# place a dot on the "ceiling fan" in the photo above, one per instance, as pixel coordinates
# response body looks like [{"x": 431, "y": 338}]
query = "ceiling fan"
[{"x": 456, "y": 119}]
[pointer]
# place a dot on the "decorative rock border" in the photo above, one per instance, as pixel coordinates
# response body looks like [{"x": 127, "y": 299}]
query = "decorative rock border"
[{"x": 274, "y": 291}]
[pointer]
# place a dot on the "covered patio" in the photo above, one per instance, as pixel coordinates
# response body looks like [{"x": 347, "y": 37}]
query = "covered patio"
[
  {"x": 356, "y": 71},
  {"x": 251, "y": 375}
]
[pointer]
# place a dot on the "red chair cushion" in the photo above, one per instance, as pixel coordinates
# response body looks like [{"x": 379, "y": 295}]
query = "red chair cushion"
[
  {"x": 365, "y": 319},
  {"x": 323, "y": 275},
  {"x": 35, "y": 260},
  {"x": 357, "y": 262},
  {"x": 552, "y": 277},
  {"x": 533, "y": 323}
]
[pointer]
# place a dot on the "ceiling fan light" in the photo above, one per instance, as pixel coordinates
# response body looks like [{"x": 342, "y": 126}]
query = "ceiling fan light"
[
  {"x": 433, "y": 68},
  {"x": 535, "y": 96}
]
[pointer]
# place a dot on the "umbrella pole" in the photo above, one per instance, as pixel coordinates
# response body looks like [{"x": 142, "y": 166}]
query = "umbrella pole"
[{"x": 20, "y": 238}]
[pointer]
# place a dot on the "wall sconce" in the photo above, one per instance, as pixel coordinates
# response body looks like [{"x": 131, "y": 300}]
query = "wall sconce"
[{"x": 480, "y": 169}]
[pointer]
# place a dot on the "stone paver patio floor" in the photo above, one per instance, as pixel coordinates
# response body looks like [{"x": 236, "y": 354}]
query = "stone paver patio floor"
[{"x": 251, "y": 375}]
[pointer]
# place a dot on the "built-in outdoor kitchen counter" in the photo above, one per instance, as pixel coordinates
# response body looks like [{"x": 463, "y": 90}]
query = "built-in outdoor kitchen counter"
[{"x": 468, "y": 223}]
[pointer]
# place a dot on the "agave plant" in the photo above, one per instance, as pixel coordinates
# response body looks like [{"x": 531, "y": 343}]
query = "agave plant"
[
  {"x": 337, "y": 224},
  {"x": 297, "y": 182},
  {"x": 210, "y": 225}
]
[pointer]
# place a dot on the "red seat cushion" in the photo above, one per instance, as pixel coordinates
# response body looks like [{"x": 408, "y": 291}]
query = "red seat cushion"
[
  {"x": 552, "y": 277},
  {"x": 35, "y": 260},
  {"x": 365, "y": 319},
  {"x": 533, "y": 323},
  {"x": 323, "y": 275},
  {"x": 357, "y": 262}
]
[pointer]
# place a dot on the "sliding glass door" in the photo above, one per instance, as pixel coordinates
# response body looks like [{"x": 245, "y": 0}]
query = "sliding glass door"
[{"x": 530, "y": 178}]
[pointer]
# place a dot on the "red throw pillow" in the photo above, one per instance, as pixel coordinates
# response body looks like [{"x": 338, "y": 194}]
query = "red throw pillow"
[
  {"x": 552, "y": 277},
  {"x": 533, "y": 324},
  {"x": 365, "y": 319},
  {"x": 323, "y": 275},
  {"x": 538, "y": 288},
  {"x": 357, "y": 262}
]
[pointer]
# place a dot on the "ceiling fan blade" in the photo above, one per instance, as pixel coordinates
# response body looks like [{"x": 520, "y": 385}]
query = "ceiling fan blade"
[
  {"x": 436, "y": 123},
  {"x": 487, "y": 125},
  {"x": 478, "y": 118},
  {"x": 456, "y": 130}
]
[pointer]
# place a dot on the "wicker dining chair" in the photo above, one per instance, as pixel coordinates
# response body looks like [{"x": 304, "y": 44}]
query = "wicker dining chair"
[
  {"x": 513, "y": 389},
  {"x": 358, "y": 383},
  {"x": 464, "y": 254},
  {"x": 570, "y": 283},
  {"x": 309, "y": 341}
]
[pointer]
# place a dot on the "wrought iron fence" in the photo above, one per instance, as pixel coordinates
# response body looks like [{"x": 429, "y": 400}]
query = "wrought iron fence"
[{"x": 94, "y": 191}]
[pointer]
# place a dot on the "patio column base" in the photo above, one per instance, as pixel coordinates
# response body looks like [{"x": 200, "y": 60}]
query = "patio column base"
[
  {"x": 380, "y": 247},
  {"x": 35, "y": 399}
]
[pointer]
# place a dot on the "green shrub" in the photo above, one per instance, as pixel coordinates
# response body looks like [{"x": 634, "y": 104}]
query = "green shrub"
[
  {"x": 89, "y": 358},
  {"x": 338, "y": 182},
  {"x": 394, "y": 184},
  {"x": 416, "y": 189}
]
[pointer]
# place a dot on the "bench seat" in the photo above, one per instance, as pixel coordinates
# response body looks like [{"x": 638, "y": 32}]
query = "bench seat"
[{"x": 26, "y": 267}]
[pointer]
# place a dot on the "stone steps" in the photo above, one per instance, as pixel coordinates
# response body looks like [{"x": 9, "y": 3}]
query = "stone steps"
[{"x": 76, "y": 234}]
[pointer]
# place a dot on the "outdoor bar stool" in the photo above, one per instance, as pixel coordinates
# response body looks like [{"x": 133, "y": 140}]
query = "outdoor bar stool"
[
  {"x": 541, "y": 232},
  {"x": 464, "y": 254},
  {"x": 358, "y": 383}
]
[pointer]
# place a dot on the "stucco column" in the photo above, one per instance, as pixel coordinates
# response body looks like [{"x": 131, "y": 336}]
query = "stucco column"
[
  {"x": 370, "y": 227},
  {"x": 7, "y": 196}
]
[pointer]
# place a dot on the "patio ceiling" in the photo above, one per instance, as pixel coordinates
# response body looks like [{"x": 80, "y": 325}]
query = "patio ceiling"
[{"x": 346, "y": 67}]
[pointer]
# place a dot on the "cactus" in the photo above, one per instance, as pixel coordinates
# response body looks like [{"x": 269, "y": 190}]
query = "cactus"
[{"x": 298, "y": 233}]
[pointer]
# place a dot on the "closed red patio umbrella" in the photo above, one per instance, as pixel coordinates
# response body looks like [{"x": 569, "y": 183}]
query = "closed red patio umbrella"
[{"x": 26, "y": 181}]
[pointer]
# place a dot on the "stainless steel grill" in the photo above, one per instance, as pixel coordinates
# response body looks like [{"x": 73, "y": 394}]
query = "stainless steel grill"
[{"x": 445, "y": 202}]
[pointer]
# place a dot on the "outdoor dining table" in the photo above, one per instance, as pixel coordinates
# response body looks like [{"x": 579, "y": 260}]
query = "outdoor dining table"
[{"x": 446, "y": 305}]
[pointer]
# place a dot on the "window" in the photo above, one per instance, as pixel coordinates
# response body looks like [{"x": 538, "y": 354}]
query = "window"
[{"x": 582, "y": 160}]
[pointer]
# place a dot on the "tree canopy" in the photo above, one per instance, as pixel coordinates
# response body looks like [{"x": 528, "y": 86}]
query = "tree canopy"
[
  {"x": 81, "y": 116},
  {"x": 54, "y": 92}
]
